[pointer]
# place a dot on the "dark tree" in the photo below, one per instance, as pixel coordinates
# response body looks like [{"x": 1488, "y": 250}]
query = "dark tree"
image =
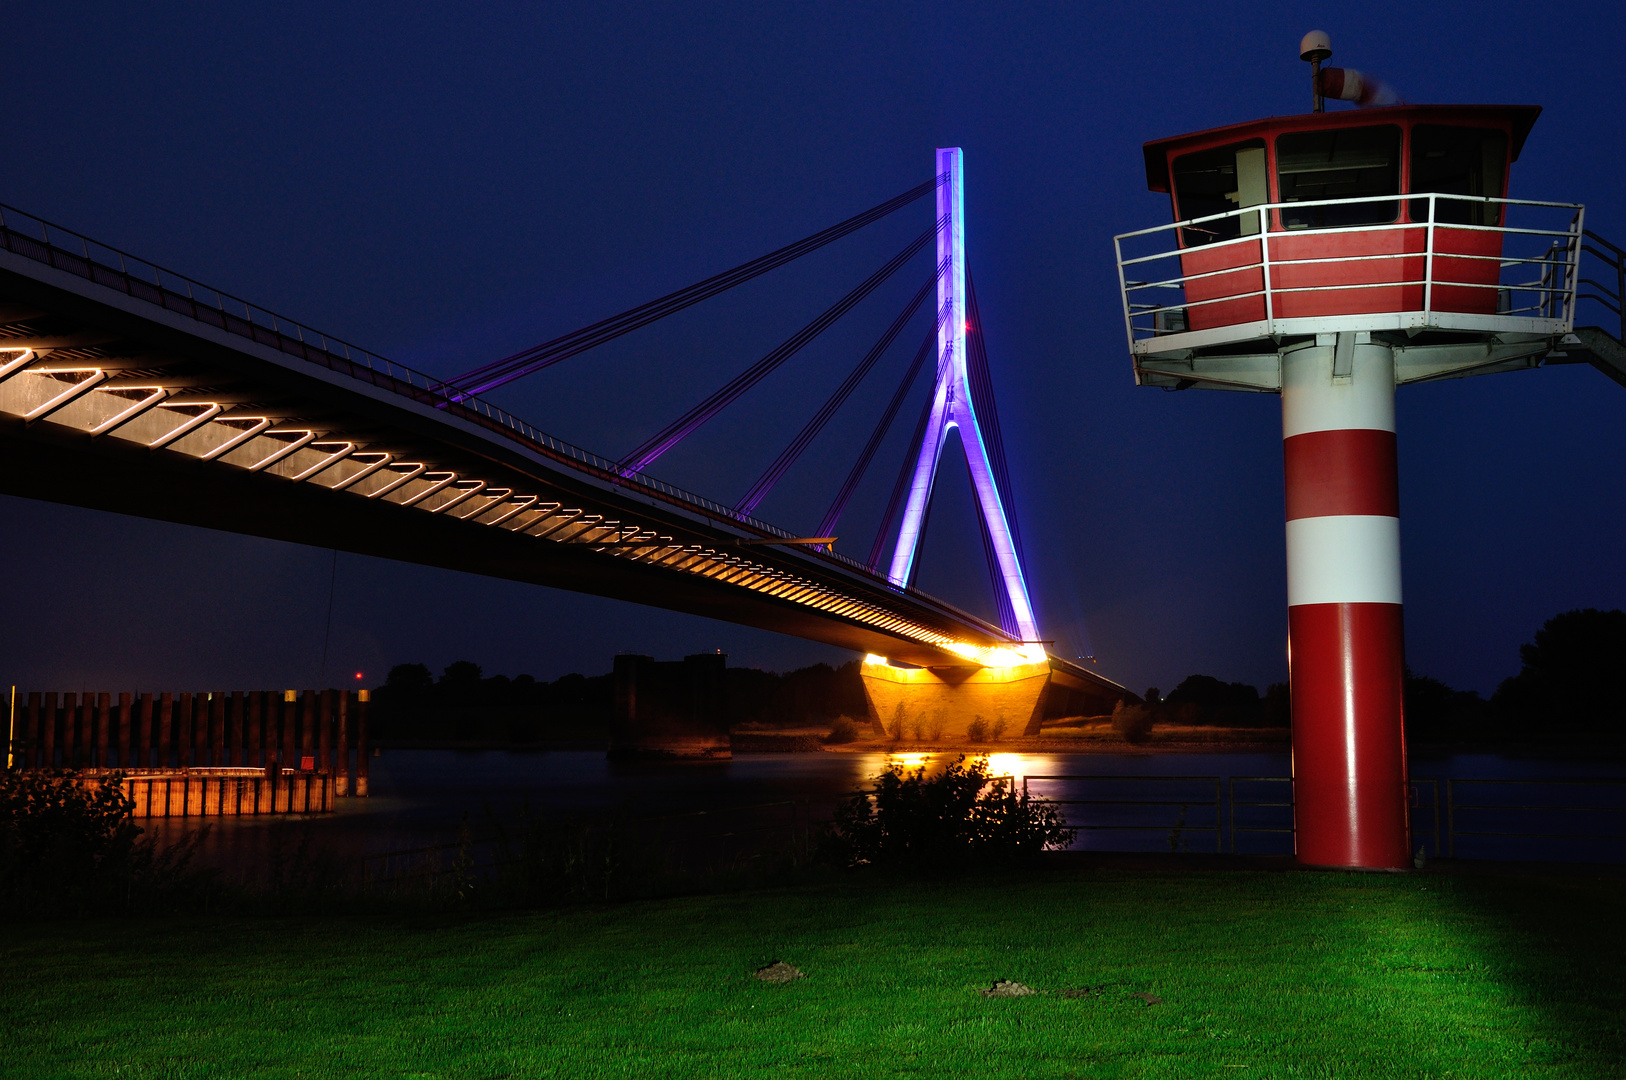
[
  {"x": 1276, "y": 707},
  {"x": 1203, "y": 699},
  {"x": 1573, "y": 680},
  {"x": 1437, "y": 713}
]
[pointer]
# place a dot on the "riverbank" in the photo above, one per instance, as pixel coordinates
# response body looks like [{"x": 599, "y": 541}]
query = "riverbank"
[
  {"x": 1091, "y": 739},
  {"x": 1135, "y": 973}
]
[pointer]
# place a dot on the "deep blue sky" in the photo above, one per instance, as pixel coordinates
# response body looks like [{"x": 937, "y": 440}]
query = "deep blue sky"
[{"x": 448, "y": 186}]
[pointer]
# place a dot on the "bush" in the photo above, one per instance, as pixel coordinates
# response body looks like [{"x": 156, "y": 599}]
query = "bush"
[
  {"x": 959, "y": 818},
  {"x": 66, "y": 849},
  {"x": 977, "y": 732},
  {"x": 843, "y": 730},
  {"x": 1133, "y": 723}
]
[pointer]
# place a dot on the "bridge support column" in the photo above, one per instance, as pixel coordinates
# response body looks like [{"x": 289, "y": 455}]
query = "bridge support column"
[
  {"x": 670, "y": 710},
  {"x": 1345, "y": 657}
]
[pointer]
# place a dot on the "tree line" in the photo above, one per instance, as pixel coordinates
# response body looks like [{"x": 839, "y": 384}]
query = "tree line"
[
  {"x": 1571, "y": 685},
  {"x": 466, "y": 705}
]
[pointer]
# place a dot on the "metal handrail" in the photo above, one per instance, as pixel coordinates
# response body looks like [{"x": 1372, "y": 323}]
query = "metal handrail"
[
  {"x": 183, "y": 295},
  {"x": 1453, "y": 804},
  {"x": 1555, "y": 285},
  {"x": 1614, "y": 259},
  {"x": 1217, "y": 828}
]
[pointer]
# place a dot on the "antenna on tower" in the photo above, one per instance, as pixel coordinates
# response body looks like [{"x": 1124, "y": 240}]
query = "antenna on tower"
[{"x": 1315, "y": 47}]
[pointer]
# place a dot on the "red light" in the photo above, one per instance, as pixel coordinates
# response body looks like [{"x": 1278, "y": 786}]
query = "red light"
[{"x": 358, "y": 674}]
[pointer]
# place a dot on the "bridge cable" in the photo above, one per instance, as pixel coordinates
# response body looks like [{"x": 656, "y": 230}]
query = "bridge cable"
[
  {"x": 899, "y": 488},
  {"x": 856, "y": 474},
  {"x": 775, "y": 472},
  {"x": 500, "y": 372},
  {"x": 652, "y": 448},
  {"x": 1002, "y": 596},
  {"x": 982, "y": 399}
]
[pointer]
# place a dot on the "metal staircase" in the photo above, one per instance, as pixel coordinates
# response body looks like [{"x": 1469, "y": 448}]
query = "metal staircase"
[{"x": 1603, "y": 279}]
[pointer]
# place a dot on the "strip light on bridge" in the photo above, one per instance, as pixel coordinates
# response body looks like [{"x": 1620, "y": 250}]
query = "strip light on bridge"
[{"x": 952, "y": 409}]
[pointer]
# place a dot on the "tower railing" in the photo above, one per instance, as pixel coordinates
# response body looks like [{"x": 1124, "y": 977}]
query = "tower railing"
[{"x": 1242, "y": 275}]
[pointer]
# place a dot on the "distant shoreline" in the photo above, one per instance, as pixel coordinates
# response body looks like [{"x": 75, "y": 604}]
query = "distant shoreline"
[{"x": 1165, "y": 740}]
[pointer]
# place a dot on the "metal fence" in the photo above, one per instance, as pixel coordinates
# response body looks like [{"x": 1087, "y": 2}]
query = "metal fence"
[
  {"x": 681, "y": 844},
  {"x": 1451, "y": 817}
]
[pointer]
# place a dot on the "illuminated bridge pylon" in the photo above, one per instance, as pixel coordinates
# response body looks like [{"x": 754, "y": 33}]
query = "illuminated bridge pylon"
[{"x": 954, "y": 408}]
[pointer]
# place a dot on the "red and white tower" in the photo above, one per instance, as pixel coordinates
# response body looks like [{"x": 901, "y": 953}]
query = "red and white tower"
[{"x": 1330, "y": 258}]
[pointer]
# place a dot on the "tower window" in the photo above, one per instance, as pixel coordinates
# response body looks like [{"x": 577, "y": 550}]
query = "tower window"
[
  {"x": 1350, "y": 163},
  {"x": 1458, "y": 161},
  {"x": 1217, "y": 181}
]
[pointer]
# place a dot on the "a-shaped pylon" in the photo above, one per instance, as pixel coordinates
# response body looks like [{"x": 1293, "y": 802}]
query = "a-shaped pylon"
[{"x": 953, "y": 409}]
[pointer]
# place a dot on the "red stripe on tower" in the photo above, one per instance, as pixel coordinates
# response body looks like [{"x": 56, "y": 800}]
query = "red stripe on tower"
[{"x": 1346, "y": 654}]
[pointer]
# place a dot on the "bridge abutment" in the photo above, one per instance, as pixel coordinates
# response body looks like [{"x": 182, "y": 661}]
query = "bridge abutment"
[{"x": 930, "y": 703}]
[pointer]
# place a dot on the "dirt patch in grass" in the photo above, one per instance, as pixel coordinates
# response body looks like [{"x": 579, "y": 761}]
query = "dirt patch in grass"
[
  {"x": 779, "y": 972},
  {"x": 1008, "y": 988}
]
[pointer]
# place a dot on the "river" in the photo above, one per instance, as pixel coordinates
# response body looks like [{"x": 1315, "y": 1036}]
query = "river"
[{"x": 1465, "y": 805}]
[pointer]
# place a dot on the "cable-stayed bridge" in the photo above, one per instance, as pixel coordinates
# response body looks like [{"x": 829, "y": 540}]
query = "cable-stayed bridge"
[{"x": 129, "y": 388}]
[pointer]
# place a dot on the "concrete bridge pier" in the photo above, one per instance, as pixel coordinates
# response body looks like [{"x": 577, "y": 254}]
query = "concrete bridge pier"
[{"x": 932, "y": 703}]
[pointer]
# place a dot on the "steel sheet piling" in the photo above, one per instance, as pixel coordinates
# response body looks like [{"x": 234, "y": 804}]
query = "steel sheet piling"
[
  {"x": 124, "y": 761},
  {"x": 166, "y": 720},
  {"x": 144, "y": 733}
]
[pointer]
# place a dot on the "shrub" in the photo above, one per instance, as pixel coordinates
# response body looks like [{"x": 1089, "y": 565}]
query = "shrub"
[
  {"x": 895, "y": 729},
  {"x": 67, "y": 849},
  {"x": 843, "y": 730},
  {"x": 997, "y": 732},
  {"x": 977, "y": 732},
  {"x": 959, "y": 818},
  {"x": 1133, "y": 723}
]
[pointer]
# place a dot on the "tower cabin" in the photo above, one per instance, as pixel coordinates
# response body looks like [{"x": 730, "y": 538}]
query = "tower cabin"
[{"x": 1388, "y": 221}]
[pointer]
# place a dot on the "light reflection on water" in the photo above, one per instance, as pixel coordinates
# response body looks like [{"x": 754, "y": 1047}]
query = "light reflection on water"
[{"x": 422, "y": 796}]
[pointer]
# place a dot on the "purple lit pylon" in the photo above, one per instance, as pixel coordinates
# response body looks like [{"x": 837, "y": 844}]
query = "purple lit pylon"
[{"x": 952, "y": 409}]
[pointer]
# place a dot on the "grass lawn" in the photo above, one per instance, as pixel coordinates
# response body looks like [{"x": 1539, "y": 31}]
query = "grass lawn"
[{"x": 1261, "y": 974}]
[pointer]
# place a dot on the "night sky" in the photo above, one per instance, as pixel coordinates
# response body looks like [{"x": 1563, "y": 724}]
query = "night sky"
[{"x": 449, "y": 186}]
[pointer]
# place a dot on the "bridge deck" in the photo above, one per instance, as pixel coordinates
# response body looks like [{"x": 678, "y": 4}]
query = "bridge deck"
[{"x": 131, "y": 389}]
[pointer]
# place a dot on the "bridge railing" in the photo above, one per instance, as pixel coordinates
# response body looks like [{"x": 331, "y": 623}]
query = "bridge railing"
[{"x": 65, "y": 249}]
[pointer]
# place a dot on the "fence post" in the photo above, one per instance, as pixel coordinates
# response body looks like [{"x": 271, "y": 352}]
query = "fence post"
[
  {"x": 251, "y": 752},
  {"x": 48, "y": 722},
  {"x": 183, "y": 732},
  {"x": 123, "y": 761},
  {"x": 290, "y": 729},
  {"x": 34, "y": 733},
  {"x": 104, "y": 706},
  {"x": 363, "y": 706},
  {"x": 70, "y": 726},
  {"x": 342, "y": 769},
  {"x": 217, "y": 729},
  {"x": 307, "y": 734},
  {"x": 166, "y": 719},
  {"x": 324, "y": 733},
  {"x": 234, "y": 732},
  {"x": 144, "y": 736},
  {"x": 1451, "y": 815}
]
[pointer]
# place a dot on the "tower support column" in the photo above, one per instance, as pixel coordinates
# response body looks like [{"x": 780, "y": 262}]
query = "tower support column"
[{"x": 1346, "y": 653}]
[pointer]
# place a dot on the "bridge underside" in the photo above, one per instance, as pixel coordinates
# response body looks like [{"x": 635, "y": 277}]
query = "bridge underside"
[{"x": 132, "y": 398}]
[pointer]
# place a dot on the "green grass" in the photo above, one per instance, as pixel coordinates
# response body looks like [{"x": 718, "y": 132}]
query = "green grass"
[{"x": 1261, "y": 975}]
